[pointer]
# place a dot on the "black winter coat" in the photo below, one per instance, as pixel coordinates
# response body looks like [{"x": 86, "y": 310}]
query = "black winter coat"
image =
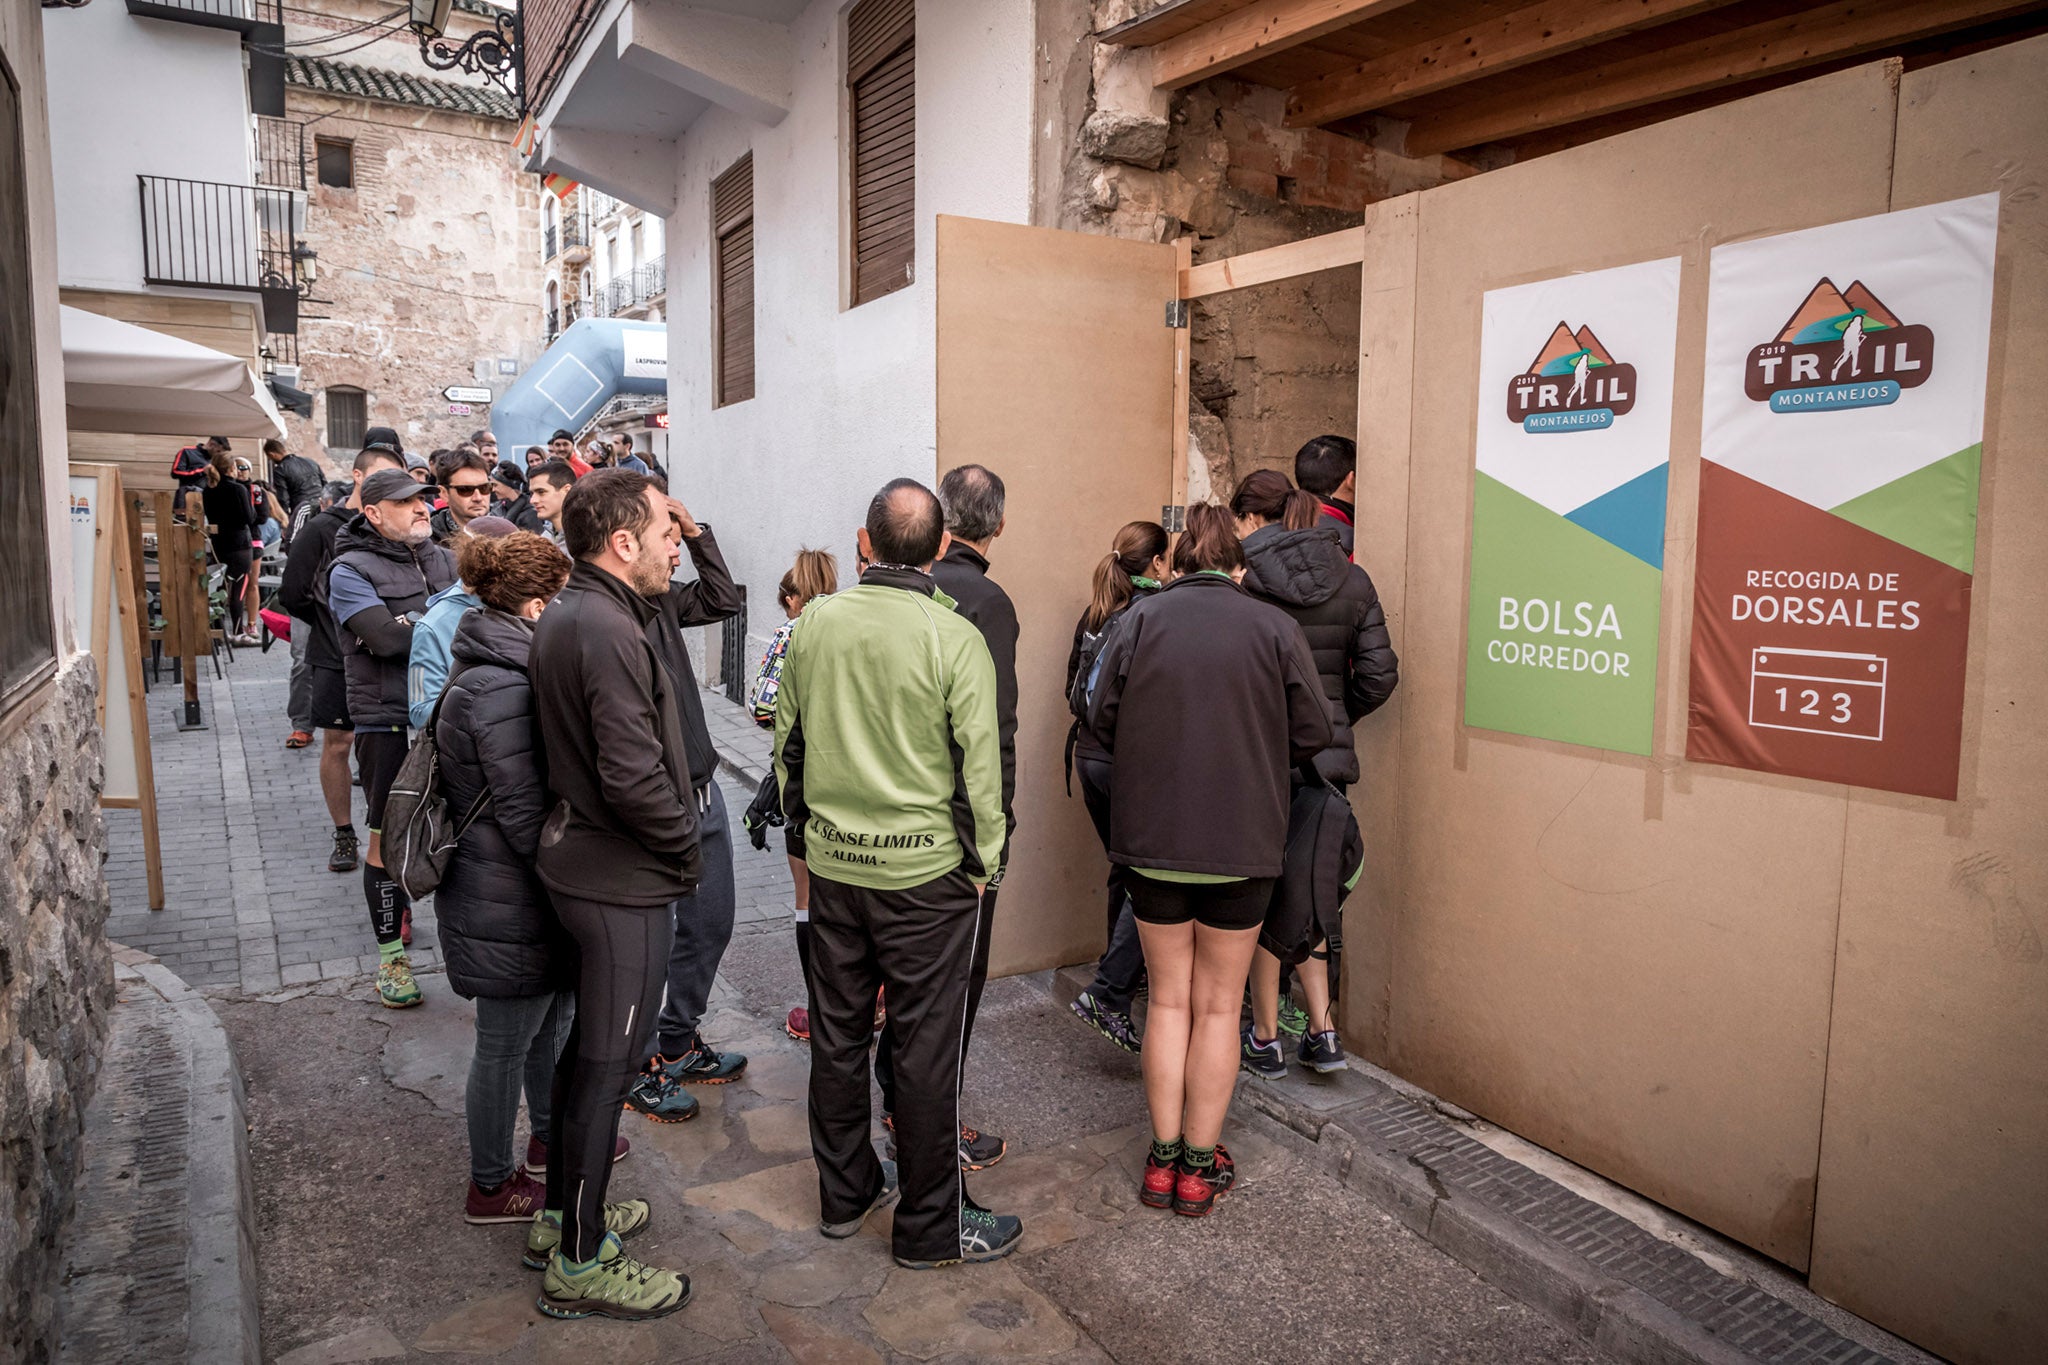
[
  {"x": 1307, "y": 575},
  {"x": 498, "y": 930},
  {"x": 305, "y": 576},
  {"x": 1206, "y": 701},
  {"x": 963, "y": 576}
]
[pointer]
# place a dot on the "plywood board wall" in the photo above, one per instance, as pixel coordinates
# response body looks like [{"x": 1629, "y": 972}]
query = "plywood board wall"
[
  {"x": 1933, "y": 1212},
  {"x": 1055, "y": 369},
  {"x": 1624, "y": 959}
]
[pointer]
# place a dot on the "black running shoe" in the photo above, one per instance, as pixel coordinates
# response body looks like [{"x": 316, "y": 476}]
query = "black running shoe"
[
  {"x": 1263, "y": 1060},
  {"x": 1111, "y": 1024},
  {"x": 1323, "y": 1053},
  {"x": 979, "y": 1150},
  {"x": 984, "y": 1236},
  {"x": 345, "y": 856},
  {"x": 701, "y": 1065}
]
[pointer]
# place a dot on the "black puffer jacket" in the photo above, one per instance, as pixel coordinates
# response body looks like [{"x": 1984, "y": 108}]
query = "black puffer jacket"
[
  {"x": 1307, "y": 575},
  {"x": 498, "y": 930}
]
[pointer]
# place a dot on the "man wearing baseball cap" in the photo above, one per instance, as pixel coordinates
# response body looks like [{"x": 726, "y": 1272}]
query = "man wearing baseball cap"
[{"x": 386, "y": 566}]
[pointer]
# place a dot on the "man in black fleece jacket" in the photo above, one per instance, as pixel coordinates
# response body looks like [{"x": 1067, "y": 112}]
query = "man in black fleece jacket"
[
  {"x": 619, "y": 846},
  {"x": 704, "y": 917}
]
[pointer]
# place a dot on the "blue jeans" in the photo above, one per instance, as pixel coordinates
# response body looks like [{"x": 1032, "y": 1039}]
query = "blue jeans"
[
  {"x": 518, "y": 1039},
  {"x": 703, "y": 928},
  {"x": 1116, "y": 979}
]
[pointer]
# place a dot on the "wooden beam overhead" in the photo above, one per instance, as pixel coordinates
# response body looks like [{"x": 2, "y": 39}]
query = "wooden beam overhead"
[
  {"x": 1260, "y": 30},
  {"x": 1166, "y": 20},
  {"x": 1310, "y": 254},
  {"x": 1846, "y": 29},
  {"x": 1500, "y": 43}
]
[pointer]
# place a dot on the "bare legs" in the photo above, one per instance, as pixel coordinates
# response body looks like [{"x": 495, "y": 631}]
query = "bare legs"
[
  {"x": 1315, "y": 985},
  {"x": 1191, "y": 1051},
  {"x": 334, "y": 746}
]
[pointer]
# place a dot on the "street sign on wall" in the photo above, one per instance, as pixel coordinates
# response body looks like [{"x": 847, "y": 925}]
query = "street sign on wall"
[
  {"x": 1841, "y": 429},
  {"x": 463, "y": 393},
  {"x": 1572, "y": 448}
]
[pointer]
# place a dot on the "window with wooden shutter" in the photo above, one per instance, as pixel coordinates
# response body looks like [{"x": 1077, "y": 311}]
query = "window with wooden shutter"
[
  {"x": 881, "y": 78},
  {"x": 732, "y": 228}
]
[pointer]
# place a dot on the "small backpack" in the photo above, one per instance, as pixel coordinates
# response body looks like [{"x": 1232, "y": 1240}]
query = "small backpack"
[
  {"x": 1089, "y": 663},
  {"x": 418, "y": 840}
]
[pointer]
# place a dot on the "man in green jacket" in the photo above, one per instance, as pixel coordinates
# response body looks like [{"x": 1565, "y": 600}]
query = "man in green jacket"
[{"x": 887, "y": 751}]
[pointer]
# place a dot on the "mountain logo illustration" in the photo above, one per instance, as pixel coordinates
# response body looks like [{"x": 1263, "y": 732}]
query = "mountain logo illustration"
[
  {"x": 1840, "y": 349},
  {"x": 1574, "y": 384}
]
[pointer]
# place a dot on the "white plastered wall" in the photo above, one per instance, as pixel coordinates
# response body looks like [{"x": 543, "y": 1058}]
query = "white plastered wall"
[
  {"x": 843, "y": 396},
  {"x": 132, "y": 96}
]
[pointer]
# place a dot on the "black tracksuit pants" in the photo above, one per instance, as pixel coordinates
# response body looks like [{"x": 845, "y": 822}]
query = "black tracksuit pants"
[
  {"x": 920, "y": 943},
  {"x": 977, "y": 981},
  {"x": 622, "y": 956}
]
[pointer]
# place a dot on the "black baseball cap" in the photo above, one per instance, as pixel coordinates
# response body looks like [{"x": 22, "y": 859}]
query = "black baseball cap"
[
  {"x": 382, "y": 438},
  {"x": 393, "y": 485}
]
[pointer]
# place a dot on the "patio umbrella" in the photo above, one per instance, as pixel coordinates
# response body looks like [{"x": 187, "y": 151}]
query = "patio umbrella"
[{"x": 124, "y": 378}]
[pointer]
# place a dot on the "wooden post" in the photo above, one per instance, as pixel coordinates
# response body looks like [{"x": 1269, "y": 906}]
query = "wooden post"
[{"x": 183, "y": 569}]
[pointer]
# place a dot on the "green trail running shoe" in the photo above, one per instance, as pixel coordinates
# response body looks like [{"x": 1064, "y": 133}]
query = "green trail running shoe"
[
  {"x": 627, "y": 1218},
  {"x": 614, "y": 1286},
  {"x": 1293, "y": 1018},
  {"x": 395, "y": 986}
]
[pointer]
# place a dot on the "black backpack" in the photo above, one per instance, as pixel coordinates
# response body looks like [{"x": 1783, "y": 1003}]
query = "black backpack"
[
  {"x": 419, "y": 842},
  {"x": 1089, "y": 663}
]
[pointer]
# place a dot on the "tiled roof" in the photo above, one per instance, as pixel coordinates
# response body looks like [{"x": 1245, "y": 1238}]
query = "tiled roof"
[{"x": 395, "y": 87}]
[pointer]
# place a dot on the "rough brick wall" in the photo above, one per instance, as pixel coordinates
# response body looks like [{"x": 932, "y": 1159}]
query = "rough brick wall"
[
  {"x": 1273, "y": 365},
  {"x": 429, "y": 264},
  {"x": 56, "y": 992}
]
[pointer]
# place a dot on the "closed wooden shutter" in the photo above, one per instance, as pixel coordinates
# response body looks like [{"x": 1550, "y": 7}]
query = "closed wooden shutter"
[
  {"x": 732, "y": 227},
  {"x": 881, "y": 74}
]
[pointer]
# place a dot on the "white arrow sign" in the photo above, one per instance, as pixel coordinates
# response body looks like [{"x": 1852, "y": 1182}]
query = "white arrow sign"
[{"x": 458, "y": 393}]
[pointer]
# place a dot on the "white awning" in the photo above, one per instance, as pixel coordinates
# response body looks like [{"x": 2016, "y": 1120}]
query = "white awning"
[{"x": 120, "y": 377}]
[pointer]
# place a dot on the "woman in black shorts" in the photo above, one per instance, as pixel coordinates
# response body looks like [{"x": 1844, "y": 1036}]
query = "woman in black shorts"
[{"x": 1207, "y": 698}]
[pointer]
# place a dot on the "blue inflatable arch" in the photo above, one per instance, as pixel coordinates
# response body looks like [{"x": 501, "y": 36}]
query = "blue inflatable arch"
[{"x": 596, "y": 359}]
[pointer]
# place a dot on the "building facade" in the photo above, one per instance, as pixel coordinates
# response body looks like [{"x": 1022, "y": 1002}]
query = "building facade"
[
  {"x": 605, "y": 259},
  {"x": 425, "y": 236},
  {"x": 163, "y": 220}
]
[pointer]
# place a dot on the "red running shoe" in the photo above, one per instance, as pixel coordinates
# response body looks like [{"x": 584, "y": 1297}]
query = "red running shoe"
[
  {"x": 515, "y": 1201},
  {"x": 1157, "y": 1191},
  {"x": 1196, "y": 1192},
  {"x": 537, "y": 1154},
  {"x": 798, "y": 1024}
]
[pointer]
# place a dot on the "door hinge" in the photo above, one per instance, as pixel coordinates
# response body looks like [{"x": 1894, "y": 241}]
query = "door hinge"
[
  {"x": 1174, "y": 519},
  {"x": 1177, "y": 313}
]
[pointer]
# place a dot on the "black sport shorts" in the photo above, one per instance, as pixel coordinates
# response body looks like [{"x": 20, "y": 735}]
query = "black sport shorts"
[
  {"x": 1219, "y": 905},
  {"x": 330, "y": 698},
  {"x": 378, "y": 756}
]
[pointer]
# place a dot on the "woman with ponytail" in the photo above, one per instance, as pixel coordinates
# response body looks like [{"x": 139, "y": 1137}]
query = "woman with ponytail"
[
  {"x": 1133, "y": 570},
  {"x": 1304, "y": 570},
  {"x": 1205, "y": 700},
  {"x": 815, "y": 574}
]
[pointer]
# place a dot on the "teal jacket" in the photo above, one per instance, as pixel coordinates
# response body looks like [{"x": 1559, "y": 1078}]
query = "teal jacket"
[
  {"x": 433, "y": 639},
  {"x": 885, "y": 737}
]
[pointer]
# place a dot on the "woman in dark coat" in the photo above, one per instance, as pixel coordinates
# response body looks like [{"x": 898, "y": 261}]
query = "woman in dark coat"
[
  {"x": 1302, "y": 569},
  {"x": 231, "y": 510},
  {"x": 498, "y": 931},
  {"x": 1206, "y": 699}
]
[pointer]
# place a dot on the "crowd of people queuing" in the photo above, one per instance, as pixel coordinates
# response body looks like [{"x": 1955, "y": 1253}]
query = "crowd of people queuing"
[{"x": 532, "y": 628}]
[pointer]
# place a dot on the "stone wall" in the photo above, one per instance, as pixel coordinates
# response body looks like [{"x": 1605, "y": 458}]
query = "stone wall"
[
  {"x": 1272, "y": 365},
  {"x": 428, "y": 265},
  {"x": 56, "y": 990}
]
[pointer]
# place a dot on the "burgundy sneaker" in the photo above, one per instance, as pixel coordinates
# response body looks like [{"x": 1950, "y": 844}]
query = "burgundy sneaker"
[
  {"x": 515, "y": 1201},
  {"x": 798, "y": 1024},
  {"x": 537, "y": 1154},
  {"x": 1196, "y": 1192}
]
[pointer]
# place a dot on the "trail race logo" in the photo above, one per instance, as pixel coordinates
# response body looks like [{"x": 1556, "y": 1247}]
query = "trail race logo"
[
  {"x": 1574, "y": 385},
  {"x": 1839, "y": 350}
]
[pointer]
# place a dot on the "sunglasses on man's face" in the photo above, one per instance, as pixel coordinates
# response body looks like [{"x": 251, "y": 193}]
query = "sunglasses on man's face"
[{"x": 468, "y": 490}]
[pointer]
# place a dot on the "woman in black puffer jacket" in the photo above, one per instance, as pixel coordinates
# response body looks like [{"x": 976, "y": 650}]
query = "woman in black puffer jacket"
[
  {"x": 1304, "y": 571},
  {"x": 499, "y": 935}
]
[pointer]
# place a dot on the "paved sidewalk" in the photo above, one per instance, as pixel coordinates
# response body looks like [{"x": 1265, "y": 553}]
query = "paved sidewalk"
[{"x": 250, "y": 906}]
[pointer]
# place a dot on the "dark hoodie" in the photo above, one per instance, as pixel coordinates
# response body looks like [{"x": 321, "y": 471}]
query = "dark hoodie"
[
  {"x": 498, "y": 928},
  {"x": 1307, "y": 575}
]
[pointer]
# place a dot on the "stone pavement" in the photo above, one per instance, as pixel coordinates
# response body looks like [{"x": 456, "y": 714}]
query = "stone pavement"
[{"x": 249, "y": 904}]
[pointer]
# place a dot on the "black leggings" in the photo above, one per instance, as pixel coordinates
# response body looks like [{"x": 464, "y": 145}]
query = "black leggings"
[
  {"x": 622, "y": 956},
  {"x": 236, "y": 562}
]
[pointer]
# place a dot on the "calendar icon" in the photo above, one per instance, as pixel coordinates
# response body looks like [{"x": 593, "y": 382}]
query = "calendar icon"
[{"x": 1819, "y": 691}]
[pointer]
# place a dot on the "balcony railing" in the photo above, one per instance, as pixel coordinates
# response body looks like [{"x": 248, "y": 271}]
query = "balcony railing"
[
  {"x": 239, "y": 15},
  {"x": 215, "y": 236},
  {"x": 280, "y": 153},
  {"x": 564, "y": 236},
  {"x": 642, "y": 284}
]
